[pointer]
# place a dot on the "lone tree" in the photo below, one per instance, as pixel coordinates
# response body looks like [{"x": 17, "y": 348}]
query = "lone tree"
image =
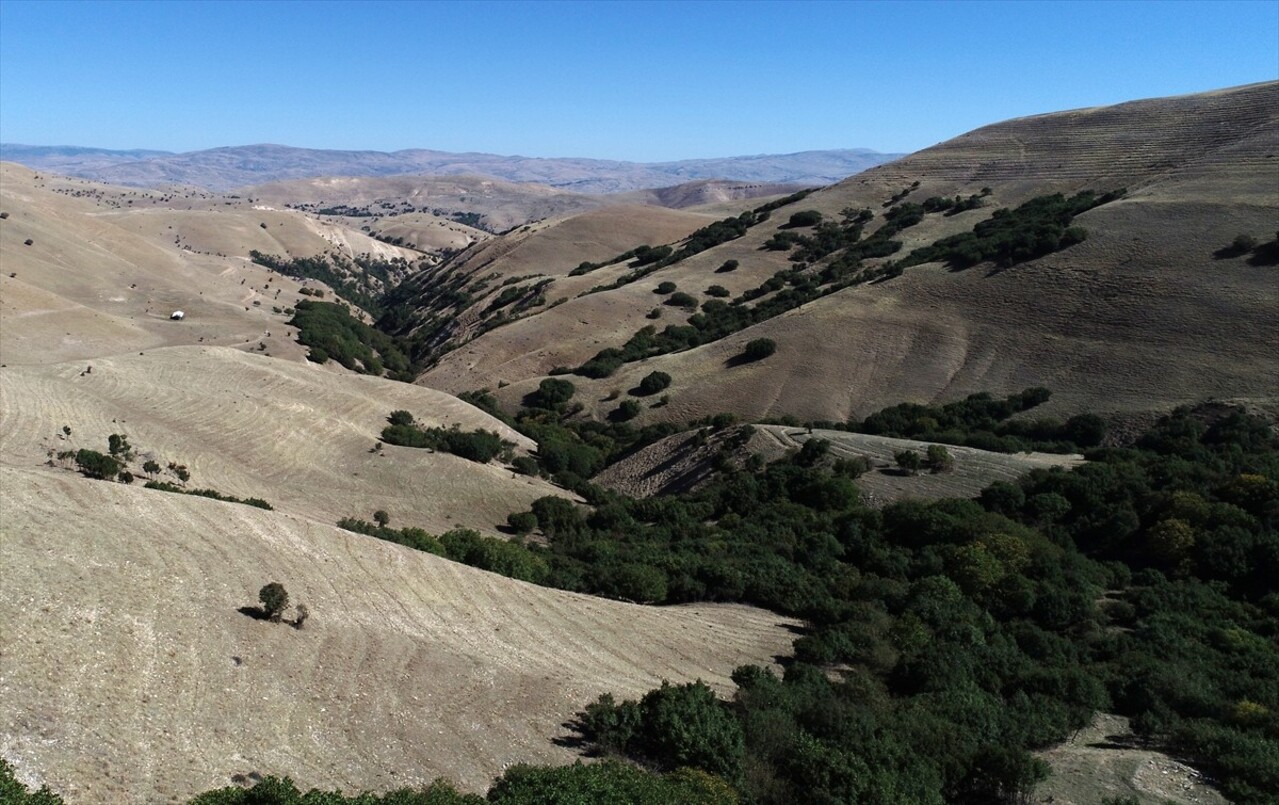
[
  {"x": 275, "y": 599},
  {"x": 381, "y": 517},
  {"x": 759, "y": 349},
  {"x": 939, "y": 459},
  {"x": 909, "y": 461}
]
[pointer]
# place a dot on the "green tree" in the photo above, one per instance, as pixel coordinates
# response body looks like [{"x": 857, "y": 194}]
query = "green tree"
[
  {"x": 759, "y": 348},
  {"x": 381, "y": 517},
  {"x": 275, "y": 599},
  {"x": 96, "y": 465},
  {"x": 654, "y": 382},
  {"x": 908, "y": 461},
  {"x": 938, "y": 459}
]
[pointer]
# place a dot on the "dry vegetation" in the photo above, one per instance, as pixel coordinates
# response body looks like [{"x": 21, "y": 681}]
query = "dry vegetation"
[
  {"x": 128, "y": 674},
  {"x": 1140, "y": 315}
]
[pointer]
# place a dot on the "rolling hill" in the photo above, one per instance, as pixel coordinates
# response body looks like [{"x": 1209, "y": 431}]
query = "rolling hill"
[{"x": 1144, "y": 314}]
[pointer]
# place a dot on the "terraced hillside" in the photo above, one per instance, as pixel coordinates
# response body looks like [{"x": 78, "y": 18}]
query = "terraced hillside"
[
  {"x": 129, "y": 675},
  {"x": 291, "y": 433},
  {"x": 680, "y": 462},
  {"x": 1142, "y": 314}
]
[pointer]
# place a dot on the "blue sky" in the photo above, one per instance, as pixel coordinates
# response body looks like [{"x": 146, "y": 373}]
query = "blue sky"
[{"x": 619, "y": 80}]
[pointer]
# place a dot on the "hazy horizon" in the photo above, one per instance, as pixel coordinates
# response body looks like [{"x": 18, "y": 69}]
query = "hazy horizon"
[{"x": 639, "y": 82}]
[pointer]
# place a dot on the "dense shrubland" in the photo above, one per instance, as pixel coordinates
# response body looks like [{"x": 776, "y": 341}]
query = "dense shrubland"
[{"x": 331, "y": 332}]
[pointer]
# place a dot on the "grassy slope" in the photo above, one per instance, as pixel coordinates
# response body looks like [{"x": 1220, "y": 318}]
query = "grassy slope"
[
  {"x": 129, "y": 675},
  {"x": 1138, "y": 316}
]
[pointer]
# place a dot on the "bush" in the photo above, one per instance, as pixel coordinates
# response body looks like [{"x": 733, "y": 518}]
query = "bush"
[
  {"x": 551, "y": 394},
  {"x": 939, "y": 459},
  {"x": 628, "y": 410},
  {"x": 804, "y": 218},
  {"x": 908, "y": 461},
  {"x": 654, "y": 382},
  {"x": 522, "y": 522},
  {"x": 729, "y": 265},
  {"x": 664, "y": 288},
  {"x": 718, "y": 291},
  {"x": 96, "y": 465},
  {"x": 275, "y": 599},
  {"x": 759, "y": 348},
  {"x": 681, "y": 299}
]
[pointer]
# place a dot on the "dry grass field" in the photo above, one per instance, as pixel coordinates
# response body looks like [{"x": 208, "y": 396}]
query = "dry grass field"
[
  {"x": 129, "y": 676},
  {"x": 127, "y": 673},
  {"x": 292, "y": 433},
  {"x": 1141, "y": 315}
]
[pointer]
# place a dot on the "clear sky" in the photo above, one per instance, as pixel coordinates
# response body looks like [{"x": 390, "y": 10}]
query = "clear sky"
[{"x": 641, "y": 81}]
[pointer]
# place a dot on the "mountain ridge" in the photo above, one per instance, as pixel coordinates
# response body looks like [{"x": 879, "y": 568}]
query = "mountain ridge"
[{"x": 230, "y": 167}]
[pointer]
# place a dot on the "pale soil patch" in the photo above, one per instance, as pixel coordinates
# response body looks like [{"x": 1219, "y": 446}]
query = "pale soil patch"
[
  {"x": 291, "y": 433},
  {"x": 129, "y": 676},
  {"x": 1099, "y": 762}
]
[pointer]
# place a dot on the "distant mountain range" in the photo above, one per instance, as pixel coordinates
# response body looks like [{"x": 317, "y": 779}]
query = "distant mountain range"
[{"x": 239, "y": 166}]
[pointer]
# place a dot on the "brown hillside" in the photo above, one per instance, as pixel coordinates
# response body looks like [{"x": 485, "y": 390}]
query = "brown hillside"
[
  {"x": 101, "y": 276},
  {"x": 250, "y": 426},
  {"x": 1140, "y": 315},
  {"x": 128, "y": 675}
]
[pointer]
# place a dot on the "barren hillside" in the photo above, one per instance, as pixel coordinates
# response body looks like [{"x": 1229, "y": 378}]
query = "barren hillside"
[
  {"x": 292, "y": 433},
  {"x": 105, "y": 267},
  {"x": 1140, "y": 315},
  {"x": 129, "y": 676}
]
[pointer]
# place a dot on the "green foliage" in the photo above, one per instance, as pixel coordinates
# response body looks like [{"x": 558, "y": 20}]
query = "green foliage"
[
  {"x": 718, "y": 291},
  {"x": 982, "y": 421},
  {"x": 360, "y": 280},
  {"x": 275, "y": 599},
  {"x": 96, "y": 465},
  {"x": 728, "y": 266},
  {"x": 654, "y": 382},
  {"x": 552, "y": 393},
  {"x": 908, "y": 461},
  {"x": 804, "y": 218},
  {"x": 478, "y": 445},
  {"x": 681, "y": 299},
  {"x": 607, "y": 783},
  {"x": 276, "y": 791},
  {"x": 1010, "y": 236},
  {"x": 164, "y": 486},
  {"x": 330, "y": 332},
  {"x": 664, "y": 288},
  {"x": 626, "y": 411},
  {"x": 118, "y": 446},
  {"x": 759, "y": 348},
  {"x": 13, "y": 792},
  {"x": 938, "y": 459}
]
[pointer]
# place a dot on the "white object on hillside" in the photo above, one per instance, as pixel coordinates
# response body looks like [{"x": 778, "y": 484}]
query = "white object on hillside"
[{"x": 177, "y": 315}]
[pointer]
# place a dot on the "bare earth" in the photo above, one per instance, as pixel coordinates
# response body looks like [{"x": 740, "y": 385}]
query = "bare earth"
[
  {"x": 1100, "y": 762},
  {"x": 128, "y": 675}
]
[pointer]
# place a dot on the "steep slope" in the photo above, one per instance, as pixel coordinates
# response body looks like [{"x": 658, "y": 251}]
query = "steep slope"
[
  {"x": 1140, "y": 315},
  {"x": 128, "y": 674}
]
